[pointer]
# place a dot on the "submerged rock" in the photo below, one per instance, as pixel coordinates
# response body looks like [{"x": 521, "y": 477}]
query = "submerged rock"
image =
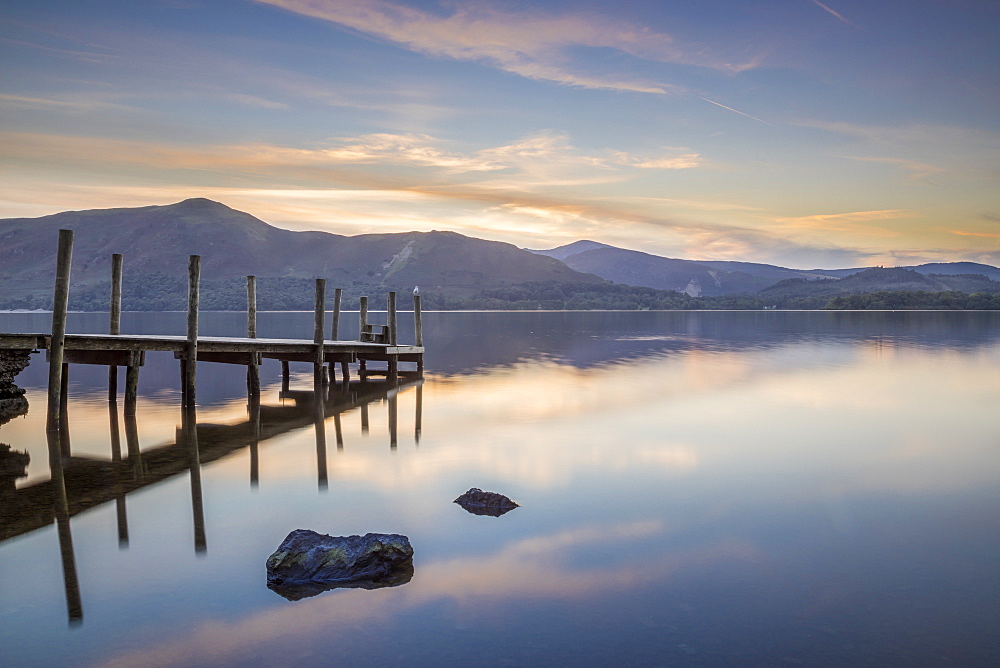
[
  {"x": 295, "y": 591},
  {"x": 478, "y": 502},
  {"x": 308, "y": 563}
]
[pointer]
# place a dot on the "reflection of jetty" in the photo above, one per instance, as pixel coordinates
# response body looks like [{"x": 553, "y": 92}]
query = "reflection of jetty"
[
  {"x": 91, "y": 482},
  {"x": 376, "y": 342},
  {"x": 79, "y": 483}
]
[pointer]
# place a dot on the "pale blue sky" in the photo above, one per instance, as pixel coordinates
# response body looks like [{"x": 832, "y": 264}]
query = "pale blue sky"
[{"x": 796, "y": 132}]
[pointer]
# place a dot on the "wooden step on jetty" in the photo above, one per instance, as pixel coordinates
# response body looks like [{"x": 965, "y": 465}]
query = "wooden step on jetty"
[{"x": 378, "y": 342}]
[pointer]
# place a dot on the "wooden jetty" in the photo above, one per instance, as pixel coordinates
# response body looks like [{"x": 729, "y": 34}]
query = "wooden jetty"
[{"x": 377, "y": 343}]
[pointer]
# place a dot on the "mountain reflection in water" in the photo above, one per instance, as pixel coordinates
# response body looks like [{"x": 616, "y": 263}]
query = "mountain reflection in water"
[{"x": 705, "y": 489}]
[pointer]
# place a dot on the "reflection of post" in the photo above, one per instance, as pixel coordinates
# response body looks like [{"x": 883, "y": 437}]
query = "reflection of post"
[
  {"x": 418, "y": 418},
  {"x": 115, "y": 325},
  {"x": 393, "y": 420},
  {"x": 116, "y": 456},
  {"x": 189, "y": 426},
  {"x": 254, "y": 407},
  {"x": 57, "y": 343},
  {"x": 340, "y": 431},
  {"x": 132, "y": 443},
  {"x": 364, "y": 418},
  {"x": 74, "y": 602},
  {"x": 64, "y": 411},
  {"x": 253, "y": 369},
  {"x": 320, "y": 422}
]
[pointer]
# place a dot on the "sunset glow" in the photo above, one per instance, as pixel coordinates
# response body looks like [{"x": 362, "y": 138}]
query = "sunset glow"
[{"x": 804, "y": 133}]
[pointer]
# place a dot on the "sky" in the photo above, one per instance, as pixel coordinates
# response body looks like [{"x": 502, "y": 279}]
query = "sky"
[{"x": 801, "y": 133}]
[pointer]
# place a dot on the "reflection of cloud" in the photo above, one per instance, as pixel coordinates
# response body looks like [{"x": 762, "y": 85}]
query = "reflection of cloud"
[
  {"x": 536, "y": 568},
  {"x": 532, "y": 44}
]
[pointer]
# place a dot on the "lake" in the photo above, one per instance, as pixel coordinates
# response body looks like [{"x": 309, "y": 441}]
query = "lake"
[{"x": 696, "y": 489}]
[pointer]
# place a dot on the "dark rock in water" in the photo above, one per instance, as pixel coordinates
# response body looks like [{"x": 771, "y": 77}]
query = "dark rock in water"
[
  {"x": 12, "y": 407},
  {"x": 308, "y": 563},
  {"x": 13, "y": 465},
  {"x": 295, "y": 591},
  {"x": 478, "y": 502},
  {"x": 12, "y": 362}
]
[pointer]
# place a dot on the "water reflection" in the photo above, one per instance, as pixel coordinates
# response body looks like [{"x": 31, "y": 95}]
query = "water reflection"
[{"x": 766, "y": 496}]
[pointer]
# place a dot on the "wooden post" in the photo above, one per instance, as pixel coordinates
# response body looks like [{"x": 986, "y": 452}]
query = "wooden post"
[
  {"x": 115, "y": 326},
  {"x": 418, "y": 327},
  {"x": 252, "y": 307},
  {"x": 253, "y": 369},
  {"x": 320, "y": 312},
  {"x": 335, "y": 331},
  {"x": 363, "y": 317},
  {"x": 131, "y": 388},
  {"x": 57, "y": 345},
  {"x": 190, "y": 369},
  {"x": 392, "y": 318},
  {"x": 285, "y": 376}
]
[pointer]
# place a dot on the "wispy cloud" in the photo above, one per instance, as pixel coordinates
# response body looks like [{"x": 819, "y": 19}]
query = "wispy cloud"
[
  {"x": 531, "y": 43},
  {"x": 918, "y": 171},
  {"x": 735, "y": 111},
  {"x": 831, "y": 11}
]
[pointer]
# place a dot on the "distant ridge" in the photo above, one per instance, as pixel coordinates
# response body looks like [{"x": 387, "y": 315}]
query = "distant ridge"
[
  {"x": 719, "y": 277},
  {"x": 233, "y": 244},
  {"x": 452, "y": 270}
]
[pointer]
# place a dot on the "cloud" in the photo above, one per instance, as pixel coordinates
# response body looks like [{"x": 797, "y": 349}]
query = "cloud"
[
  {"x": 918, "y": 171},
  {"x": 831, "y": 11},
  {"x": 532, "y": 44}
]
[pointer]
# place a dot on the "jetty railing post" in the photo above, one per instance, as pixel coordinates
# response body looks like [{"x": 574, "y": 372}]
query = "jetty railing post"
[
  {"x": 115, "y": 326},
  {"x": 190, "y": 367},
  {"x": 363, "y": 325},
  {"x": 392, "y": 318},
  {"x": 57, "y": 345},
  {"x": 253, "y": 369},
  {"x": 319, "y": 327},
  {"x": 418, "y": 326},
  {"x": 319, "y": 417},
  {"x": 335, "y": 330},
  {"x": 418, "y": 331}
]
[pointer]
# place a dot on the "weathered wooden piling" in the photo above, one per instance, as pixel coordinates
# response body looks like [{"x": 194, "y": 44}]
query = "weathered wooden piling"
[
  {"x": 335, "y": 328},
  {"x": 418, "y": 326},
  {"x": 391, "y": 315},
  {"x": 115, "y": 324},
  {"x": 57, "y": 347},
  {"x": 191, "y": 363},
  {"x": 253, "y": 368}
]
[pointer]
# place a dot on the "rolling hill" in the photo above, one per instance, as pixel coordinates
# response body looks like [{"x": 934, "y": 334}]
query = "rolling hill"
[{"x": 157, "y": 240}]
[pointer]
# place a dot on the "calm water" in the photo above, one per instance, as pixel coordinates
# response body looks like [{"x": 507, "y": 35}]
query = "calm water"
[{"x": 697, "y": 489}]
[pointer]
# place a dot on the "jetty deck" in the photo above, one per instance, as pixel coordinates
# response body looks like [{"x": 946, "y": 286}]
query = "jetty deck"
[{"x": 208, "y": 345}]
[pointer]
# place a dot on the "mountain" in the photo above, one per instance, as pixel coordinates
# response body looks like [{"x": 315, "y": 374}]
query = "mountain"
[
  {"x": 157, "y": 240},
  {"x": 956, "y": 268},
  {"x": 693, "y": 278},
  {"x": 717, "y": 277},
  {"x": 879, "y": 279}
]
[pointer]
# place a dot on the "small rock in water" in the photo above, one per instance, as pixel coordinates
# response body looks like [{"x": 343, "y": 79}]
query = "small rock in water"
[
  {"x": 308, "y": 563},
  {"x": 478, "y": 502}
]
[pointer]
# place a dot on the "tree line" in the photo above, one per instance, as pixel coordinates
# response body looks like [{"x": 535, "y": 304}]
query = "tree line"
[{"x": 163, "y": 292}]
